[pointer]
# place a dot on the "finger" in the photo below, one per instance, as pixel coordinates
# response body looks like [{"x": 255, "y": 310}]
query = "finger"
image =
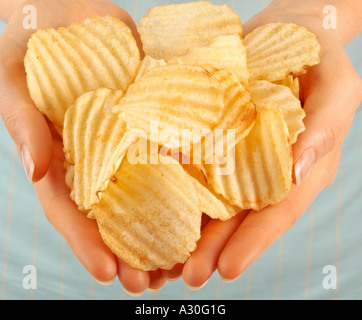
[
  {"x": 205, "y": 219},
  {"x": 157, "y": 281},
  {"x": 127, "y": 19},
  {"x": 135, "y": 282},
  {"x": 110, "y": 8},
  {"x": 7, "y": 8},
  {"x": 25, "y": 124},
  {"x": 203, "y": 262},
  {"x": 260, "y": 229},
  {"x": 329, "y": 104},
  {"x": 175, "y": 273},
  {"x": 81, "y": 233}
]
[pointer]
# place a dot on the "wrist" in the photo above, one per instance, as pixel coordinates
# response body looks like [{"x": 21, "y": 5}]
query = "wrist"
[{"x": 7, "y": 8}]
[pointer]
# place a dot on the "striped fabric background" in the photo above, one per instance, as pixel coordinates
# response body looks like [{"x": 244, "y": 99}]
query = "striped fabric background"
[{"x": 329, "y": 233}]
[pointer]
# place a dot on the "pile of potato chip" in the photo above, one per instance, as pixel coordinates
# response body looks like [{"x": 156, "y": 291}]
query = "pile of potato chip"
[{"x": 199, "y": 74}]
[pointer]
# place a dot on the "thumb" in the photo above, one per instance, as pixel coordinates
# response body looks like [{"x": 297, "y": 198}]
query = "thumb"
[
  {"x": 25, "y": 124},
  {"x": 332, "y": 97}
]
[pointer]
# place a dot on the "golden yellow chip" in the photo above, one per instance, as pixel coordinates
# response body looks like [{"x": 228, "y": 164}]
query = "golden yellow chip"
[
  {"x": 292, "y": 83},
  {"x": 177, "y": 100},
  {"x": 150, "y": 215},
  {"x": 263, "y": 165},
  {"x": 95, "y": 141},
  {"x": 237, "y": 119},
  {"x": 63, "y": 64},
  {"x": 224, "y": 52},
  {"x": 263, "y": 92},
  {"x": 170, "y": 31},
  {"x": 180, "y": 102},
  {"x": 276, "y": 50},
  {"x": 239, "y": 110},
  {"x": 147, "y": 64},
  {"x": 212, "y": 204}
]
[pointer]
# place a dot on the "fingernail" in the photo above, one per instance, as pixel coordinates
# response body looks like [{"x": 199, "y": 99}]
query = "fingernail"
[
  {"x": 198, "y": 288},
  {"x": 154, "y": 290},
  {"x": 304, "y": 166},
  {"x": 172, "y": 279},
  {"x": 227, "y": 280},
  {"x": 28, "y": 162},
  {"x": 133, "y": 294},
  {"x": 107, "y": 283}
]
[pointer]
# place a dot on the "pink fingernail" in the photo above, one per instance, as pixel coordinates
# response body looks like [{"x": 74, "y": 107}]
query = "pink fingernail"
[
  {"x": 198, "y": 288},
  {"x": 172, "y": 279},
  {"x": 28, "y": 162},
  {"x": 106, "y": 283},
  {"x": 134, "y": 294},
  {"x": 227, "y": 280},
  {"x": 304, "y": 166}
]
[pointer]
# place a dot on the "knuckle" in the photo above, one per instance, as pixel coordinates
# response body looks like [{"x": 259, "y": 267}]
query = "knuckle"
[
  {"x": 10, "y": 120},
  {"x": 332, "y": 172},
  {"x": 330, "y": 135}
]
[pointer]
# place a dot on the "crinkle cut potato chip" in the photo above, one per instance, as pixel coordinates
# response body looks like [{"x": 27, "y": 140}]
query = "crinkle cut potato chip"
[
  {"x": 276, "y": 50},
  {"x": 212, "y": 204},
  {"x": 236, "y": 122},
  {"x": 150, "y": 215},
  {"x": 175, "y": 97},
  {"x": 184, "y": 100},
  {"x": 239, "y": 110},
  {"x": 170, "y": 31},
  {"x": 147, "y": 64},
  {"x": 63, "y": 64},
  {"x": 95, "y": 141},
  {"x": 263, "y": 92},
  {"x": 292, "y": 83},
  {"x": 224, "y": 52},
  {"x": 263, "y": 165}
]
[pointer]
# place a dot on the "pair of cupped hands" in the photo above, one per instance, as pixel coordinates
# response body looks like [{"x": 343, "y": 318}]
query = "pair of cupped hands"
[{"x": 330, "y": 93}]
